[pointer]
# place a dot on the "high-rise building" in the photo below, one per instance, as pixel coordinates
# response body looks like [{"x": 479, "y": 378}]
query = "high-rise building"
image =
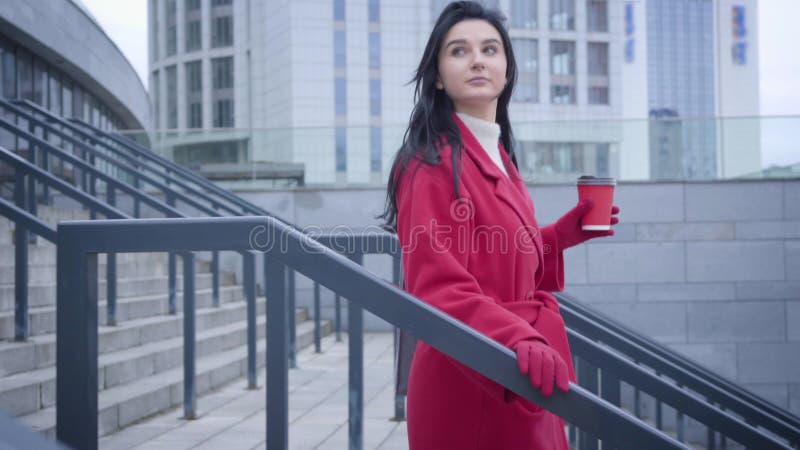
[{"x": 325, "y": 84}]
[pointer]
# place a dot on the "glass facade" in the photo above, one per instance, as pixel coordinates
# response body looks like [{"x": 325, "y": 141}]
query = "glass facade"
[
  {"x": 562, "y": 72},
  {"x": 24, "y": 75},
  {"x": 680, "y": 76}
]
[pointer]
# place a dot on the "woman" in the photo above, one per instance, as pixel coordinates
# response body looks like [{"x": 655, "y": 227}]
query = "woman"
[{"x": 472, "y": 246}]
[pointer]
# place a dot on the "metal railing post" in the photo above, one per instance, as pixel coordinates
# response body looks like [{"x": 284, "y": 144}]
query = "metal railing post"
[
  {"x": 587, "y": 378},
  {"x": 337, "y": 318},
  {"x": 76, "y": 344},
  {"x": 111, "y": 271},
  {"x": 317, "y": 321},
  {"x": 290, "y": 278},
  {"x": 189, "y": 391},
  {"x": 171, "y": 278},
  {"x": 137, "y": 212},
  {"x": 31, "y": 191},
  {"x": 215, "y": 279},
  {"x": 399, "y": 399},
  {"x": 21, "y": 330},
  {"x": 249, "y": 270},
  {"x": 355, "y": 345},
  {"x": 277, "y": 355}
]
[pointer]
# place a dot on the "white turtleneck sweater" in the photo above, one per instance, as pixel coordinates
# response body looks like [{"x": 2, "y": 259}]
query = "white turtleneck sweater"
[{"x": 488, "y": 135}]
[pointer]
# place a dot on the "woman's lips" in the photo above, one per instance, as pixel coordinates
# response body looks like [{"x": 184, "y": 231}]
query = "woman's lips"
[{"x": 478, "y": 80}]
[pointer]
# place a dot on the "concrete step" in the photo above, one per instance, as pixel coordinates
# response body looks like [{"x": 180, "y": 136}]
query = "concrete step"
[
  {"x": 30, "y": 391},
  {"x": 45, "y": 252},
  {"x": 40, "y": 352},
  {"x": 124, "y": 405},
  {"x": 42, "y": 320},
  {"x": 44, "y": 294}
]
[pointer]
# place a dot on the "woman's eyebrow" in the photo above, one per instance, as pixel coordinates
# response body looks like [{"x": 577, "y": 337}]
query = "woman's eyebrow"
[{"x": 464, "y": 41}]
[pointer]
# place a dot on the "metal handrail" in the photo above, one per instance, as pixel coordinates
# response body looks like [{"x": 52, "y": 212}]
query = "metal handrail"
[
  {"x": 642, "y": 349},
  {"x": 27, "y": 220},
  {"x": 283, "y": 246}
]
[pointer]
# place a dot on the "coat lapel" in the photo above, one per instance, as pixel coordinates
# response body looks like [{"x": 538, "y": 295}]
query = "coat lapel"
[{"x": 509, "y": 189}]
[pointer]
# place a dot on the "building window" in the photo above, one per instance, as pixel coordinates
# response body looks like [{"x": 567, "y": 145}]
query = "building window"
[
  {"x": 195, "y": 115},
  {"x": 193, "y": 35},
  {"x": 375, "y": 149},
  {"x": 597, "y": 15},
  {"x": 66, "y": 97},
  {"x": 156, "y": 98},
  {"x": 341, "y": 149},
  {"x": 193, "y": 5},
  {"x": 172, "y": 29},
  {"x": 598, "y": 95},
  {"x": 340, "y": 96},
  {"x": 222, "y": 72},
  {"x": 194, "y": 94},
  {"x": 562, "y": 95},
  {"x": 339, "y": 60},
  {"x": 221, "y": 2},
  {"x": 375, "y": 97},
  {"x": 223, "y": 113},
  {"x": 338, "y": 9},
  {"x": 598, "y": 73},
  {"x": 562, "y": 15},
  {"x": 598, "y": 58},
  {"x": 374, "y": 50},
  {"x": 8, "y": 71},
  {"x": 25, "y": 74},
  {"x": 156, "y": 25},
  {"x": 172, "y": 97},
  {"x": 54, "y": 92},
  {"x": 374, "y": 10},
  {"x": 39, "y": 82},
  {"x": 526, "y": 53},
  {"x": 194, "y": 77},
  {"x": 222, "y": 31},
  {"x": 524, "y": 14},
  {"x": 562, "y": 58}
]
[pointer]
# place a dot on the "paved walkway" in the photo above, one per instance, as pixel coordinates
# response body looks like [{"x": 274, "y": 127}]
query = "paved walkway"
[{"x": 234, "y": 418}]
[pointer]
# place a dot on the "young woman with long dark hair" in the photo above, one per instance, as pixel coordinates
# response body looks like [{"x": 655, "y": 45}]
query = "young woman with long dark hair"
[{"x": 472, "y": 246}]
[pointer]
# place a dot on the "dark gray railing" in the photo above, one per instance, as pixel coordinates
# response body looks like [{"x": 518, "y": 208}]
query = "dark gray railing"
[
  {"x": 24, "y": 173},
  {"x": 283, "y": 246},
  {"x": 642, "y": 351}
]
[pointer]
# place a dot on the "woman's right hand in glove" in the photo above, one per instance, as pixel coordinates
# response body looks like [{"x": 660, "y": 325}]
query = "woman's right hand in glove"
[{"x": 544, "y": 366}]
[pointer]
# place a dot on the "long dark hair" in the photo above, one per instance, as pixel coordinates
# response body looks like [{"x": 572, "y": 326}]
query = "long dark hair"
[{"x": 431, "y": 121}]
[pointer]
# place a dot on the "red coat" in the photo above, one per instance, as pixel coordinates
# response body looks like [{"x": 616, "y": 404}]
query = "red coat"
[{"x": 485, "y": 261}]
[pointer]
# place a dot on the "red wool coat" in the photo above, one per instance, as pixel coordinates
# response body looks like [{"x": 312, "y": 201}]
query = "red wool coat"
[{"x": 485, "y": 261}]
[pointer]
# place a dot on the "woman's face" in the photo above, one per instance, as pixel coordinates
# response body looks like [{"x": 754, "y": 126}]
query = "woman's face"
[{"x": 472, "y": 67}]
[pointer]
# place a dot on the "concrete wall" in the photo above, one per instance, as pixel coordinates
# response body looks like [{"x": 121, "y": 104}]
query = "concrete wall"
[{"x": 710, "y": 269}]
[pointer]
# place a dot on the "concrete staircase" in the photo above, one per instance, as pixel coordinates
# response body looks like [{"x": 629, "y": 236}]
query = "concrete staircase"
[{"x": 140, "y": 369}]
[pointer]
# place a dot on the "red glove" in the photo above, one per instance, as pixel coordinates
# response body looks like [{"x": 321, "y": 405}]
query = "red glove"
[
  {"x": 543, "y": 365},
  {"x": 568, "y": 227}
]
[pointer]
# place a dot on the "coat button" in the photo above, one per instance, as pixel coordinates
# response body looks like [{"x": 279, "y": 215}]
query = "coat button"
[{"x": 529, "y": 296}]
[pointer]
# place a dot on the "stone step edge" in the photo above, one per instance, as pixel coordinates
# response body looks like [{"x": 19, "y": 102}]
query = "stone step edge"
[
  {"x": 115, "y": 414},
  {"x": 105, "y": 332},
  {"x": 44, "y": 378},
  {"x": 129, "y": 299}
]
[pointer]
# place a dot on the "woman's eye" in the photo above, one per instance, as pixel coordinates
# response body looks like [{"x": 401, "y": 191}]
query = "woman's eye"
[
  {"x": 490, "y": 50},
  {"x": 458, "y": 51}
]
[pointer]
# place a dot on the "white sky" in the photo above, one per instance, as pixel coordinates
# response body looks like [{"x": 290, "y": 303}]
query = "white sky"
[{"x": 779, "y": 85}]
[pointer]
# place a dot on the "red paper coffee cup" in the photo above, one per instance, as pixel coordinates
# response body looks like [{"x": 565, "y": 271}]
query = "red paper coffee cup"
[{"x": 601, "y": 191}]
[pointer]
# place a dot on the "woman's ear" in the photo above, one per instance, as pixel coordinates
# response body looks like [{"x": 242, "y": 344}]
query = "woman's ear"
[{"x": 439, "y": 84}]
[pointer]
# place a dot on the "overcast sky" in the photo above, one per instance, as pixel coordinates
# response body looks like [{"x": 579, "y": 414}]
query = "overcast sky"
[{"x": 779, "y": 59}]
